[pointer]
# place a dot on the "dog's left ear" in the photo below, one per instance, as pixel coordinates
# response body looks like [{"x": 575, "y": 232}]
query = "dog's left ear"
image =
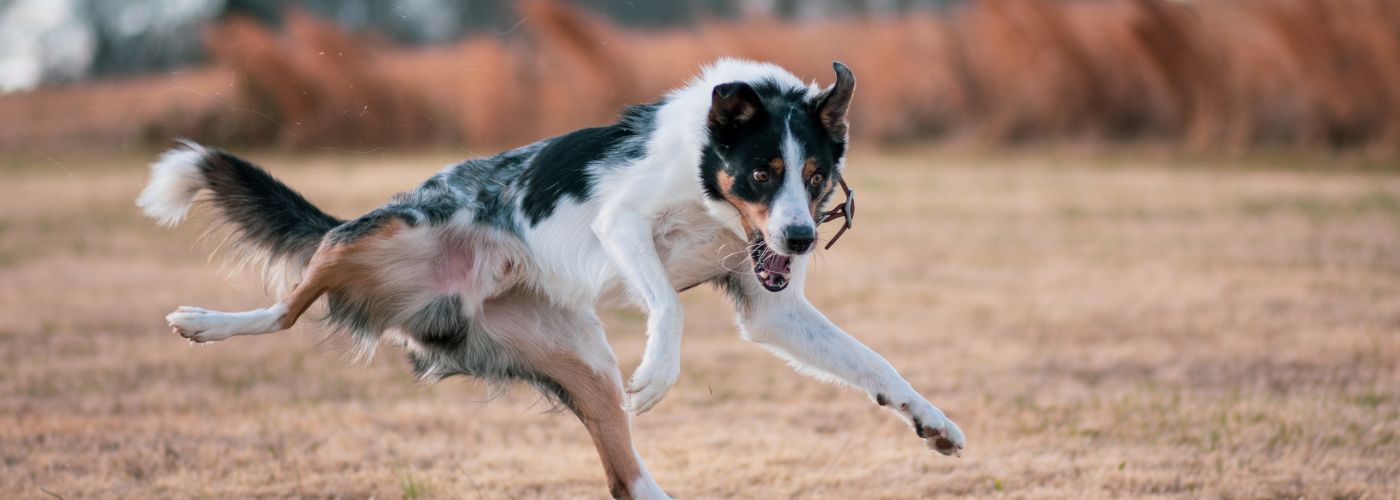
[{"x": 830, "y": 107}]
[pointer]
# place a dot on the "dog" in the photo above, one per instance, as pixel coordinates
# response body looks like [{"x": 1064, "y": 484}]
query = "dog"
[{"x": 493, "y": 267}]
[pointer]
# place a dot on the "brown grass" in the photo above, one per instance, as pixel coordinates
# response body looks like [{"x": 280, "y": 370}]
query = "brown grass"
[{"x": 1098, "y": 332}]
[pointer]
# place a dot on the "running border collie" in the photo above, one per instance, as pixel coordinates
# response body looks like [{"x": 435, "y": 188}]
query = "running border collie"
[{"x": 493, "y": 267}]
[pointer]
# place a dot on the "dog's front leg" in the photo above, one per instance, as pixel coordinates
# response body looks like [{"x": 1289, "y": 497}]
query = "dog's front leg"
[
  {"x": 791, "y": 327},
  {"x": 626, "y": 236}
]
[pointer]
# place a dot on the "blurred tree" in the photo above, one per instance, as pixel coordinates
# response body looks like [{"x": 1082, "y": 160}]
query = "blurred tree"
[{"x": 64, "y": 40}]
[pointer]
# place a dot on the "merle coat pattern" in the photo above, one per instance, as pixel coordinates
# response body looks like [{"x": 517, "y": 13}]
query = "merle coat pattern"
[{"x": 493, "y": 267}]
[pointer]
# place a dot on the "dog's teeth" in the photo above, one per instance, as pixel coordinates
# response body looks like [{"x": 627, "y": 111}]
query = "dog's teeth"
[{"x": 763, "y": 275}]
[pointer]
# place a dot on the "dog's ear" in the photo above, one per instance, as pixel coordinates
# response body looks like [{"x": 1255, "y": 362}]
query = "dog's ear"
[
  {"x": 830, "y": 107},
  {"x": 732, "y": 105}
]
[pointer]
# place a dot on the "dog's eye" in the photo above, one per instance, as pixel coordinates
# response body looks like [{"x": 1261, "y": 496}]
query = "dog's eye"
[
  {"x": 760, "y": 176},
  {"x": 816, "y": 180}
]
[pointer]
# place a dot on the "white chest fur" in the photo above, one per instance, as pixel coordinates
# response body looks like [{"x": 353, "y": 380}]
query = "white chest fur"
[{"x": 694, "y": 248}]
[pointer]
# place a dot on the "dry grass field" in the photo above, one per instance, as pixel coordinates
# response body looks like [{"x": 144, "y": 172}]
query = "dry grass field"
[{"x": 1097, "y": 330}]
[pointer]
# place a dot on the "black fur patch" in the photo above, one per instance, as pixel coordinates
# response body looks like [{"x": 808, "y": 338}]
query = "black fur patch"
[
  {"x": 442, "y": 324},
  {"x": 562, "y": 166},
  {"x": 352, "y": 313},
  {"x": 265, "y": 213},
  {"x": 710, "y": 165},
  {"x": 770, "y": 90},
  {"x": 738, "y": 152},
  {"x": 493, "y": 210},
  {"x": 368, "y": 223}
]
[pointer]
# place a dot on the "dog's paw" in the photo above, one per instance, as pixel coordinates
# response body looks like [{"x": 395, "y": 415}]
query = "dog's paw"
[
  {"x": 939, "y": 432},
  {"x": 650, "y": 383},
  {"x": 197, "y": 325}
]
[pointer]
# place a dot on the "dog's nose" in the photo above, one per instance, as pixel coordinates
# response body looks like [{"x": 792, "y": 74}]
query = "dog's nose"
[{"x": 800, "y": 238}]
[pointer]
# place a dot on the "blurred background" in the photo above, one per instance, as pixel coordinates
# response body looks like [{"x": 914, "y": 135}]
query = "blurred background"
[
  {"x": 1220, "y": 76},
  {"x": 1135, "y": 248}
]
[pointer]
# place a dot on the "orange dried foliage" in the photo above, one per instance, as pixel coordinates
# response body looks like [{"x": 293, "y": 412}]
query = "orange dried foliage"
[
  {"x": 314, "y": 86},
  {"x": 1224, "y": 75}
]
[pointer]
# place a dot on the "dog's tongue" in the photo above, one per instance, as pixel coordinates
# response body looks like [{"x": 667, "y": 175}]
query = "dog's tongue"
[{"x": 775, "y": 263}]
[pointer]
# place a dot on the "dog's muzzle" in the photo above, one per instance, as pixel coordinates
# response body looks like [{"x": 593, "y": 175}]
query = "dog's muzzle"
[{"x": 774, "y": 270}]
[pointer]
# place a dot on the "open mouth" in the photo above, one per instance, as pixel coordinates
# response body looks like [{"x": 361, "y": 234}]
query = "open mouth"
[{"x": 772, "y": 268}]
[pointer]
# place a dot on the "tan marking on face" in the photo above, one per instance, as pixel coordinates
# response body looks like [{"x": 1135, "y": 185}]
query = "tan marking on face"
[
  {"x": 777, "y": 165},
  {"x": 808, "y": 169},
  {"x": 753, "y": 216}
]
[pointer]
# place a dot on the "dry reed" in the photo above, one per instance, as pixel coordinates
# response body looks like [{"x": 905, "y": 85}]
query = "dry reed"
[{"x": 1229, "y": 75}]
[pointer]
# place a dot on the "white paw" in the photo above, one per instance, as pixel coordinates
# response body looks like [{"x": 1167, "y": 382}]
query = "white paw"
[
  {"x": 198, "y": 325},
  {"x": 939, "y": 432},
  {"x": 651, "y": 381}
]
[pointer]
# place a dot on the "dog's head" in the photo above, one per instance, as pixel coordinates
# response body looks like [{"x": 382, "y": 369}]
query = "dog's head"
[{"x": 775, "y": 157}]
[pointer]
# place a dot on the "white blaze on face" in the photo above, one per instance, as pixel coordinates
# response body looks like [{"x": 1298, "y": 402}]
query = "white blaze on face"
[{"x": 790, "y": 207}]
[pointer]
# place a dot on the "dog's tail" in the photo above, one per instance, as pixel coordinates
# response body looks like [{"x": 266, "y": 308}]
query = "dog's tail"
[{"x": 268, "y": 222}]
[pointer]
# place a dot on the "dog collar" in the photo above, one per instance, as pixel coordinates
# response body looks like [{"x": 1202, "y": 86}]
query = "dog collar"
[{"x": 846, "y": 210}]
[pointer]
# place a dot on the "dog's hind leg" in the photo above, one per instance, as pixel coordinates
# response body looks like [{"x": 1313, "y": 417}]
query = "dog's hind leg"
[
  {"x": 331, "y": 266},
  {"x": 202, "y": 325},
  {"x": 595, "y": 396},
  {"x": 570, "y": 353}
]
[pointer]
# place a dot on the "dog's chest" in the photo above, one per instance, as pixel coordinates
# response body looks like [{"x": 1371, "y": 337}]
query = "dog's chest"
[{"x": 694, "y": 247}]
